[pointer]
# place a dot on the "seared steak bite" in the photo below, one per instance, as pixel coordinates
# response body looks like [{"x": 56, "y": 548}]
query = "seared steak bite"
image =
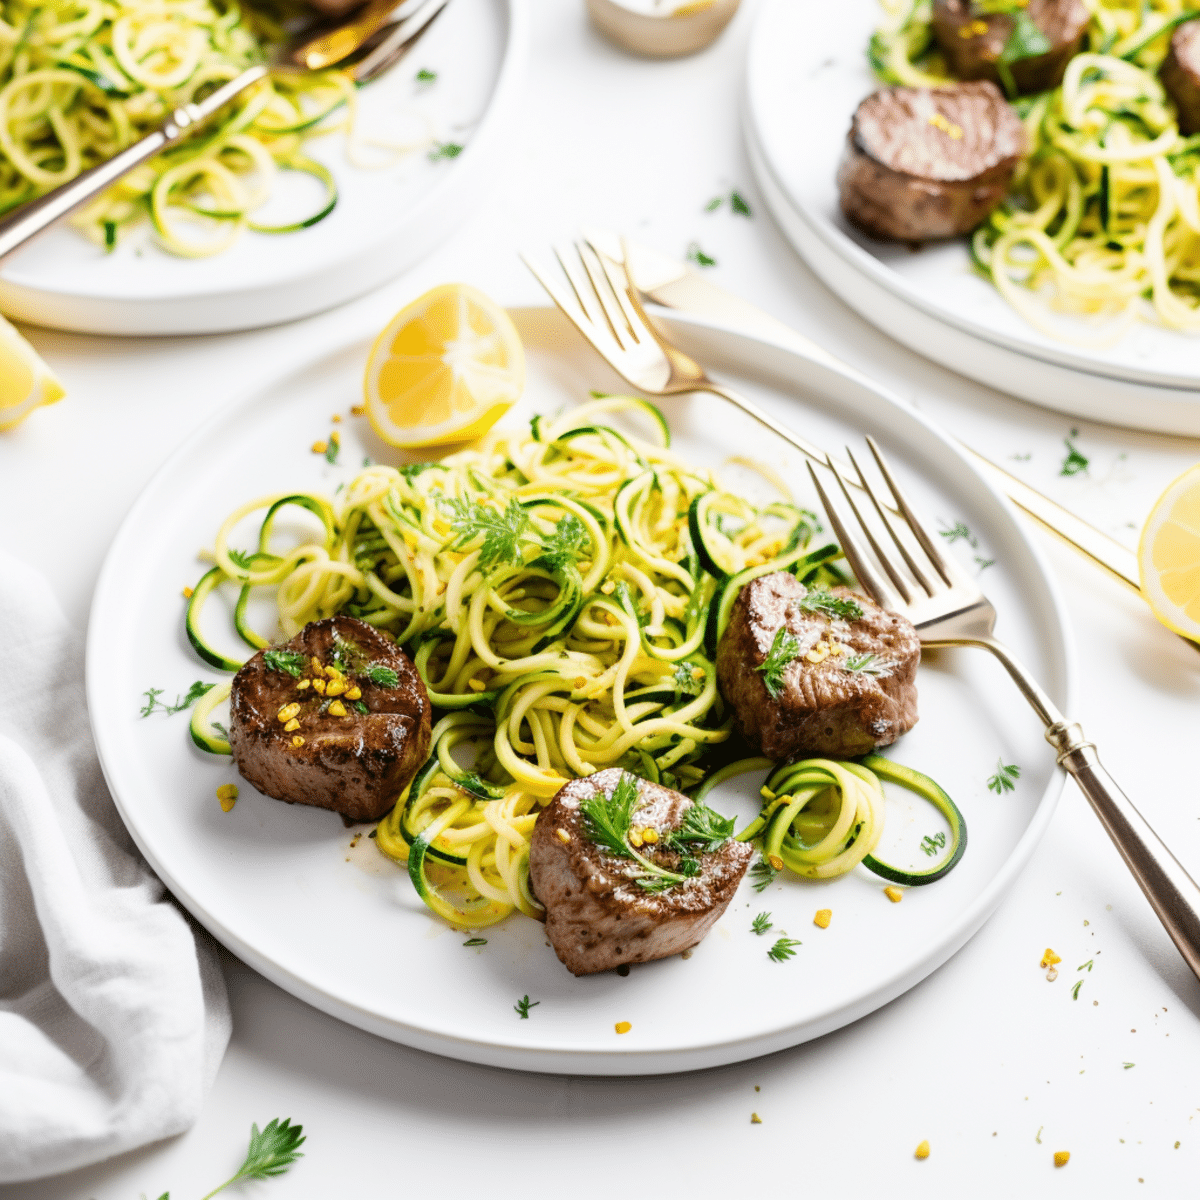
[
  {"x": 923, "y": 163},
  {"x": 598, "y": 914},
  {"x": 338, "y": 718},
  {"x": 1180, "y": 75},
  {"x": 973, "y": 41},
  {"x": 817, "y": 672}
]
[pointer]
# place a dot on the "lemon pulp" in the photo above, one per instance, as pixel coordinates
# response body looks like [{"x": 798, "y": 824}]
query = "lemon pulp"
[{"x": 1169, "y": 556}]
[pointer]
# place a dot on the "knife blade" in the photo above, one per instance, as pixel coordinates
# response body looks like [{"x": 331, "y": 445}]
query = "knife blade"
[{"x": 672, "y": 284}]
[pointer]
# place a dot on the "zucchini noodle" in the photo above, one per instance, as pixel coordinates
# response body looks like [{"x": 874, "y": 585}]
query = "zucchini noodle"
[
  {"x": 81, "y": 80},
  {"x": 588, "y": 642},
  {"x": 1104, "y": 211}
]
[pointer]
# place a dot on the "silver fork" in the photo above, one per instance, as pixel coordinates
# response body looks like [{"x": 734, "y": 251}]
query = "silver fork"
[
  {"x": 602, "y": 305},
  {"x": 906, "y": 571}
]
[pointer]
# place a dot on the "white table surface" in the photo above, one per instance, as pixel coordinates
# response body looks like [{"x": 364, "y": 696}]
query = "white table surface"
[{"x": 981, "y": 1058}]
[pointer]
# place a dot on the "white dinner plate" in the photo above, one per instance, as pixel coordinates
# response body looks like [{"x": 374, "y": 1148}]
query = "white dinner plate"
[
  {"x": 806, "y": 73},
  {"x": 387, "y": 216},
  {"x": 339, "y": 926}
]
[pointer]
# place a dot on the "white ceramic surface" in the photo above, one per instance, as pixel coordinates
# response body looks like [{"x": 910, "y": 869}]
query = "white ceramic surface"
[
  {"x": 385, "y": 220},
  {"x": 806, "y": 72},
  {"x": 341, "y": 927}
]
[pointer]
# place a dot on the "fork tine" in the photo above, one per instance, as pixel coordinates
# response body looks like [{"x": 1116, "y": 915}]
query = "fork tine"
[
  {"x": 603, "y": 288},
  {"x": 880, "y": 590},
  {"x": 918, "y": 573},
  {"x": 622, "y": 287},
  {"x": 947, "y": 568},
  {"x": 884, "y": 559},
  {"x": 565, "y": 301},
  {"x": 581, "y": 285}
]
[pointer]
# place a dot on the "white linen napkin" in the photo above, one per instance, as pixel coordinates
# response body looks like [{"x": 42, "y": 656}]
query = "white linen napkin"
[{"x": 113, "y": 1013}]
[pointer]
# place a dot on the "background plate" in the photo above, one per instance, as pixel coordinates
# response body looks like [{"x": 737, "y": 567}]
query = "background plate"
[
  {"x": 806, "y": 73},
  {"x": 385, "y": 220},
  {"x": 341, "y": 927}
]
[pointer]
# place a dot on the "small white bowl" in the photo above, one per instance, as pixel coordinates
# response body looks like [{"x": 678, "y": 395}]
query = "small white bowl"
[{"x": 686, "y": 28}]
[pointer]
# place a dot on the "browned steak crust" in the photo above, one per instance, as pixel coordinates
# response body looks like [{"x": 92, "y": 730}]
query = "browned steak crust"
[
  {"x": 597, "y": 917},
  {"x": 1180, "y": 74},
  {"x": 973, "y": 41},
  {"x": 355, "y": 764},
  {"x": 822, "y": 708},
  {"x": 925, "y": 163}
]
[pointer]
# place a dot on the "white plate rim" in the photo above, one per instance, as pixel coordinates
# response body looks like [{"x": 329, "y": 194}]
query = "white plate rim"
[
  {"x": 878, "y": 273},
  {"x": 107, "y": 600},
  {"x": 297, "y": 293}
]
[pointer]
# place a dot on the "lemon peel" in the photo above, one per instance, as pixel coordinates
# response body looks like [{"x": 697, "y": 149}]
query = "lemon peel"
[{"x": 25, "y": 380}]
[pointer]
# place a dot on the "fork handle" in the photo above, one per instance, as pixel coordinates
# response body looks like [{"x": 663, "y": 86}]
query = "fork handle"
[{"x": 1173, "y": 893}]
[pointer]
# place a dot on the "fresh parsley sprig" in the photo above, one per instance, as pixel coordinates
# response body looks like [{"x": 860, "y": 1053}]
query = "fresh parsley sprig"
[
  {"x": 864, "y": 664},
  {"x": 567, "y": 543},
  {"x": 272, "y": 1151},
  {"x": 761, "y": 923},
  {"x": 822, "y": 600},
  {"x": 609, "y": 817},
  {"x": 931, "y": 845},
  {"x": 1002, "y": 781},
  {"x": 521, "y": 1008},
  {"x": 505, "y": 533},
  {"x": 380, "y": 675},
  {"x": 289, "y": 662},
  {"x": 198, "y": 689},
  {"x": 1075, "y": 462},
  {"x": 783, "y": 650},
  {"x": 703, "y": 830},
  {"x": 763, "y": 875},
  {"x": 783, "y": 949}
]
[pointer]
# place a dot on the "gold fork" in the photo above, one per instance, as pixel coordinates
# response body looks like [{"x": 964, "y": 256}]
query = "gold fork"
[
  {"x": 898, "y": 561},
  {"x": 608, "y": 312}
]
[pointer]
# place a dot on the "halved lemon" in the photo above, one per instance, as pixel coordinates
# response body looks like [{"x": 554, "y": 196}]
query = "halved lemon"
[
  {"x": 25, "y": 380},
  {"x": 444, "y": 370},
  {"x": 1169, "y": 556}
]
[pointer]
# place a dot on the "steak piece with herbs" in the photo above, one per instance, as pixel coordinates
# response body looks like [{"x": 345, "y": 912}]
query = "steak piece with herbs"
[
  {"x": 629, "y": 871},
  {"x": 820, "y": 671},
  {"x": 337, "y": 718},
  {"x": 927, "y": 163}
]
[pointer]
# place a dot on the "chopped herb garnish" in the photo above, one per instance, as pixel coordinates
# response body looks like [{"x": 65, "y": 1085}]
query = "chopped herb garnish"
[
  {"x": 958, "y": 531},
  {"x": 763, "y": 875},
  {"x": 504, "y": 533},
  {"x": 341, "y": 654},
  {"x": 821, "y": 600},
  {"x": 1002, "y": 781},
  {"x": 1074, "y": 463},
  {"x": 241, "y": 558},
  {"x": 736, "y": 203},
  {"x": 866, "y": 664},
  {"x": 291, "y": 662},
  {"x": 198, "y": 689},
  {"x": 567, "y": 543},
  {"x": 609, "y": 817},
  {"x": 931, "y": 845},
  {"x": 379, "y": 675},
  {"x": 220, "y": 729},
  {"x": 1128, "y": 1065},
  {"x": 425, "y": 76},
  {"x": 761, "y": 924},
  {"x": 685, "y": 681},
  {"x": 332, "y": 449},
  {"x": 1087, "y": 965},
  {"x": 983, "y": 563},
  {"x": 522, "y": 1007},
  {"x": 445, "y": 150},
  {"x": 410, "y": 470},
  {"x": 783, "y": 949},
  {"x": 696, "y": 255},
  {"x": 110, "y": 236},
  {"x": 476, "y": 941},
  {"x": 1075, "y": 990},
  {"x": 271, "y": 1152},
  {"x": 362, "y": 708},
  {"x": 714, "y": 204},
  {"x": 1020, "y": 457},
  {"x": 783, "y": 650},
  {"x": 703, "y": 829}
]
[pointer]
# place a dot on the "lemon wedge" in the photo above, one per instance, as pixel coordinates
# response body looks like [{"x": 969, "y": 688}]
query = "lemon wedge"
[
  {"x": 25, "y": 381},
  {"x": 1169, "y": 556},
  {"x": 444, "y": 370}
]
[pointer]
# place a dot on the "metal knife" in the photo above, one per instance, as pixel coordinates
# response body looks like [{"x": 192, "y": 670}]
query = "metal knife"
[{"x": 673, "y": 284}]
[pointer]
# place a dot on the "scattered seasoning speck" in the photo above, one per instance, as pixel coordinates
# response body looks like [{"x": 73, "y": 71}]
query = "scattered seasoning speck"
[
  {"x": 319, "y": 447},
  {"x": 623, "y": 1026},
  {"x": 922, "y": 1151},
  {"x": 1038, "y": 1136},
  {"x": 758, "y": 1089},
  {"x": 755, "y": 1119},
  {"x": 336, "y": 418},
  {"x": 1176, "y": 1145},
  {"x": 1128, "y": 1065},
  {"x": 1062, "y": 1157},
  {"x": 475, "y": 941},
  {"x": 1050, "y": 958},
  {"x": 823, "y": 917},
  {"x": 187, "y": 593},
  {"x": 227, "y": 794},
  {"x": 894, "y": 894},
  {"x": 623, "y": 970},
  {"x": 357, "y": 410}
]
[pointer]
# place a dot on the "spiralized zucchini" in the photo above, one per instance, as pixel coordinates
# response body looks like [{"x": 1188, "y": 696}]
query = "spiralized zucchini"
[
  {"x": 549, "y": 591},
  {"x": 81, "y": 80},
  {"x": 1104, "y": 212}
]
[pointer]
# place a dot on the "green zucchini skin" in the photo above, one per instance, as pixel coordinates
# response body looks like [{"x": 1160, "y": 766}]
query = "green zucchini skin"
[
  {"x": 201, "y": 592},
  {"x": 925, "y": 787}
]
